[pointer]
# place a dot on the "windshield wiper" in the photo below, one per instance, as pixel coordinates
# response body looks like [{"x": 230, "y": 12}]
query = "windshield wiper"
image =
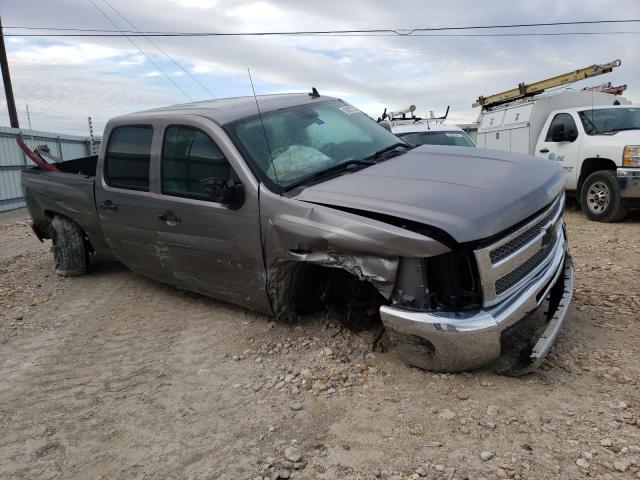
[
  {"x": 380, "y": 154},
  {"x": 328, "y": 171}
]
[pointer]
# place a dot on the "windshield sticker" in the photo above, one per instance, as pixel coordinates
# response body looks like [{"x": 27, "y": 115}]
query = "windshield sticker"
[{"x": 348, "y": 109}]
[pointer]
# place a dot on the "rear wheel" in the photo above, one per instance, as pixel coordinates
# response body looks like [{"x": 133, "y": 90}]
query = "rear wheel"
[
  {"x": 68, "y": 248},
  {"x": 601, "y": 199}
]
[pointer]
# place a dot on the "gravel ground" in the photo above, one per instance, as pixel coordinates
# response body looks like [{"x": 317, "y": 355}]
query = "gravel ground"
[{"x": 112, "y": 375}]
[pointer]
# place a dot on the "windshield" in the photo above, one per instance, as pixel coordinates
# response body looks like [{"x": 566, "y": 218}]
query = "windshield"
[
  {"x": 453, "y": 138},
  {"x": 308, "y": 139},
  {"x": 609, "y": 120}
]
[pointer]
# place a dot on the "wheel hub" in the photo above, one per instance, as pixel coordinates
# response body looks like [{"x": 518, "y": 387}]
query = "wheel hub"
[{"x": 598, "y": 197}]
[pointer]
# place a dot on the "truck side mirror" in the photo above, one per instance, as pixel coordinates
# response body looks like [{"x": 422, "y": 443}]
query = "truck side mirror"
[{"x": 227, "y": 192}]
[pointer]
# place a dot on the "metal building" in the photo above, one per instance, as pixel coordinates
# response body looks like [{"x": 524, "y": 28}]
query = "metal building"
[{"x": 12, "y": 160}]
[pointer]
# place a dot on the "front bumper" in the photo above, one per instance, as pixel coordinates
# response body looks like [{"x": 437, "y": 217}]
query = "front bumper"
[
  {"x": 629, "y": 182},
  {"x": 457, "y": 341}
]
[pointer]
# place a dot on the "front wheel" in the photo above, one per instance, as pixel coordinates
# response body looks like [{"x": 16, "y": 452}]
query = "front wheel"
[{"x": 601, "y": 199}]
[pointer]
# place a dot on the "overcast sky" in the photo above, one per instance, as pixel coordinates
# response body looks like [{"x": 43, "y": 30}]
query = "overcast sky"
[{"x": 63, "y": 80}]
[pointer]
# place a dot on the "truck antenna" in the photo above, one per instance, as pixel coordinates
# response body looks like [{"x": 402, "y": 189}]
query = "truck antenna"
[{"x": 264, "y": 132}]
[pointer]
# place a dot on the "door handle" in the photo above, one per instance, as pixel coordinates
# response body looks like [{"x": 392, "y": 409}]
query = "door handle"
[
  {"x": 544, "y": 150},
  {"x": 169, "y": 217},
  {"x": 108, "y": 205}
]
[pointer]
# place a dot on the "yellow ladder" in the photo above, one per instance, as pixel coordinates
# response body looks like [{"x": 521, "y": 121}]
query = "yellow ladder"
[{"x": 535, "y": 88}]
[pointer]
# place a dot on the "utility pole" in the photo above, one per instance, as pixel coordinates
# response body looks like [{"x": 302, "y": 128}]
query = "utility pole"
[{"x": 6, "y": 78}]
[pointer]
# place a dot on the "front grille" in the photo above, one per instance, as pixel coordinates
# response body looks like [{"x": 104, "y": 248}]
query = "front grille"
[
  {"x": 505, "y": 265},
  {"x": 513, "y": 277},
  {"x": 514, "y": 245}
]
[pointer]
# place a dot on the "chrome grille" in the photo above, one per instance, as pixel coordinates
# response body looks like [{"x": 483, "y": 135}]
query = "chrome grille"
[
  {"x": 507, "y": 264},
  {"x": 514, "y": 276},
  {"x": 508, "y": 248}
]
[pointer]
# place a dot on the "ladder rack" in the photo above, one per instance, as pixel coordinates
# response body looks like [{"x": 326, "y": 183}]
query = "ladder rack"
[{"x": 527, "y": 90}]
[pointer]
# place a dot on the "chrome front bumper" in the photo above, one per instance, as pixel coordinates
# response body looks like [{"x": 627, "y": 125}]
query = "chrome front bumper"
[
  {"x": 629, "y": 182},
  {"x": 457, "y": 341}
]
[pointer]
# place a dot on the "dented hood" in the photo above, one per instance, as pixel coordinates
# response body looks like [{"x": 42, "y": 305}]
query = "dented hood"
[{"x": 470, "y": 193}]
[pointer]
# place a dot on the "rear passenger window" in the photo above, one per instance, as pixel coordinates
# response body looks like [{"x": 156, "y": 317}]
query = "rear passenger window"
[
  {"x": 188, "y": 157},
  {"x": 127, "y": 158}
]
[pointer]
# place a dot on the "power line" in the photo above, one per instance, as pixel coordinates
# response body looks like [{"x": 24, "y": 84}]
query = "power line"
[
  {"x": 161, "y": 50},
  {"x": 398, "y": 32},
  {"x": 354, "y": 35},
  {"x": 141, "y": 51}
]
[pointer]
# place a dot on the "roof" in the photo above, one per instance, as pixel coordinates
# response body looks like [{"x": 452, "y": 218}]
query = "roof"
[
  {"x": 227, "y": 110},
  {"x": 422, "y": 126}
]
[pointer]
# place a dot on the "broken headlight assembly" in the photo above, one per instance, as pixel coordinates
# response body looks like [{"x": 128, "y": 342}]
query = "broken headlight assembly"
[{"x": 448, "y": 282}]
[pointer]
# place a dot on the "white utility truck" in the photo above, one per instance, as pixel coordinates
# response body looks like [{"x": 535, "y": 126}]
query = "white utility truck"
[
  {"x": 425, "y": 131},
  {"x": 593, "y": 133}
]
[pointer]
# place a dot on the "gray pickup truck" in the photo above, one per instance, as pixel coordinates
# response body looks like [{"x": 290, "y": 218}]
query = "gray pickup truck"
[{"x": 286, "y": 203}]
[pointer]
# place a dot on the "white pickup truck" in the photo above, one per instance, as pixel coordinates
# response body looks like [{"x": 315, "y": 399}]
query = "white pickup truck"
[{"x": 595, "y": 136}]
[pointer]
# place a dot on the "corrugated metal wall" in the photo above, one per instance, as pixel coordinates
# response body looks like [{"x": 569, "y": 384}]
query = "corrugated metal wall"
[{"x": 12, "y": 160}]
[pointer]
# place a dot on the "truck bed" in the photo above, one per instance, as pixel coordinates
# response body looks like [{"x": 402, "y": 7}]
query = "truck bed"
[{"x": 69, "y": 192}]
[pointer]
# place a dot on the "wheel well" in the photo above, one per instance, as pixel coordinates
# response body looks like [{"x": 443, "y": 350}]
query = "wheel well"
[
  {"x": 592, "y": 165},
  {"x": 49, "y": 214},
  {"x": 312, "y": 288}
]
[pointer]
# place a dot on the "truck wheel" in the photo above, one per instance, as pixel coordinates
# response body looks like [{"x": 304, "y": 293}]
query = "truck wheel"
[
  {"x": 601, "y": 199},
  {"x": 68, "y": 248}
]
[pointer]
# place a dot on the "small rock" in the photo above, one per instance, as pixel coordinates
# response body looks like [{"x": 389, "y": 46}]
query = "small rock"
[
  {"x": 421, "y": 471},
  {"x": 462, "y": 395},
  {"x": 434, "y": 444},
  {"x": 620, "y": 465},
  {"x": 447, "y": 414},
  {"x": 486, "y": 456},
  {"x": 492, "y": 411},
  {"x": 439, "y": 468},
  {"x": 582, "y": 463},
  {"x": 327, "y": 352},
  {"x": 292, "y": 454},
  {"x": 618, "y": 405},
  {"x": 295, "y": 405},
  {"x": 606, "y": 442}
]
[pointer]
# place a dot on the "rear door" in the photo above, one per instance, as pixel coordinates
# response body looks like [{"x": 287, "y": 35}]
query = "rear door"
[
  {"x": 124, "y": 201},
  {"x": 564, "y": 152},
  {"x": 213, "y": 250}
]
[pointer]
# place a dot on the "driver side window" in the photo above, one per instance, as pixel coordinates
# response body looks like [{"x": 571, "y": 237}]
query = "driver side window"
[
  {"x": 563, "y": 120},
  {"x": 190, "y": 156}
]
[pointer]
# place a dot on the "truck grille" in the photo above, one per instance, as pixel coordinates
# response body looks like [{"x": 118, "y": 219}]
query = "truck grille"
[
  {"x": 506, "y": 265},
  {"x": 508, "y": 248}
]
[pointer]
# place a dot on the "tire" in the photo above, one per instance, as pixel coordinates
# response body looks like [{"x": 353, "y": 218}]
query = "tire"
[
  {"x": 601, "y": 199},
  {"x": 68, "y": 247}
]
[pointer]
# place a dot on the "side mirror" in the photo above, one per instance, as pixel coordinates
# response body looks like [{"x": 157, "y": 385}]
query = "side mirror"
[{"x": 227, "y": 192}]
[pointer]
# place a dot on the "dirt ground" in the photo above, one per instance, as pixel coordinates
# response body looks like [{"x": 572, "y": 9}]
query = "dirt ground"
[{"x": 112, "y": 375}]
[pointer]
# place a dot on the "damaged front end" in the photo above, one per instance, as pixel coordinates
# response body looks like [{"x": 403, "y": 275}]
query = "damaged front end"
[
  {"x": 445, "y": 307},
  {"x": 517, "y": 273}
]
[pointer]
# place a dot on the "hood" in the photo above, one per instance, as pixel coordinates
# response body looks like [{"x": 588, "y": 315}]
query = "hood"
[{"x": 470, "y": 193}]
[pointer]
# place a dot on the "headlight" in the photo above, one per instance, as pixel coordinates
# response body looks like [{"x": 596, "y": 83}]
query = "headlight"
[{"x": 631, "y": 156}]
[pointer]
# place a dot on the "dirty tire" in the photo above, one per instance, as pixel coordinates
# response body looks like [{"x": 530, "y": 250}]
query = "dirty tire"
[
  {"x": 68, "y": 248},
  {"x": 601, "y": 199}
]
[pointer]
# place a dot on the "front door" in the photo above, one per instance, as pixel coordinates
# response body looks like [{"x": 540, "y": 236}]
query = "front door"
[
  {"x": 212, "y": 249},
  {"x": 563, "y": 151},
  {"x": 124, "y": 201}
]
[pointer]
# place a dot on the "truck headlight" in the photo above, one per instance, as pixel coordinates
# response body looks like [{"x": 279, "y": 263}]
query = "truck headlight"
[{"x": 631, "y": 156}]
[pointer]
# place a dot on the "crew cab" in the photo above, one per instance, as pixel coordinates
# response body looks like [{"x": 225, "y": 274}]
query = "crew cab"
[{"x": 307, "y": 201}]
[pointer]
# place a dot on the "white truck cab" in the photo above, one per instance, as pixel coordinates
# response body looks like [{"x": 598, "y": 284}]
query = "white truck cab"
[{"x": 595, "y": 136}]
